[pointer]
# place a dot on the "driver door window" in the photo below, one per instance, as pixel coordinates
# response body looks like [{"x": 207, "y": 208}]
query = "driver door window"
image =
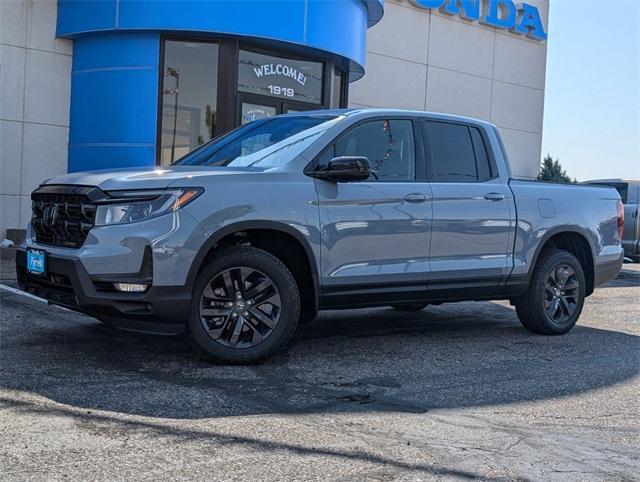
[{"x": 388, "y": 144}]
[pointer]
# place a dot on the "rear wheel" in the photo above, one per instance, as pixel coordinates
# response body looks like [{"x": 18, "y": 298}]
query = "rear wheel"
[
  {"x": 409, "y": 306},
  {"x": 555, "y": 297},
  {"x": 245, "y": 306}
]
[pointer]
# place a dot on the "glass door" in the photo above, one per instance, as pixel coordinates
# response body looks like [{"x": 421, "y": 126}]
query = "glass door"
[
  {"x": 254, "y": 107},
  {"x": 250, "y": 111},
  {"x": 271, "y": 84}
]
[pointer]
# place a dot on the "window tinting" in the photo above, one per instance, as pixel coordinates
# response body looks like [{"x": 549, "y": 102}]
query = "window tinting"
[
  {"x": 388, "y": 144},
  {"x": 482, "y": 159},
  {"x": 451, "y": 152}
]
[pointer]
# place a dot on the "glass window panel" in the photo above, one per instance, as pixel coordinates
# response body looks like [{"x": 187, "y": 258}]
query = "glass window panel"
[
  {"x": 265, "y": 143},
  {"x": 451, "y": 152},
  {"x": 189, "y": 90},
  {"x": 388, "y": 144},
  {"x": 336, "y": 88},
  {"x": 482, "y": 158},
  {"x": 280, "y": 77},
  {"x": 325, "y": 156},
  {"x": 251, "y": 112}
]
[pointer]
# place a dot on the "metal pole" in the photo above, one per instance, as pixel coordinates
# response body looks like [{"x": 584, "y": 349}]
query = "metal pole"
[{"x": 175, "y": 73}]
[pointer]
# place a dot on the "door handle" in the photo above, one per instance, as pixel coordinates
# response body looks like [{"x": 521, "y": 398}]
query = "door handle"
[
  {"x": 494, "y": 196},
  {"x": 415, "y": 197}
]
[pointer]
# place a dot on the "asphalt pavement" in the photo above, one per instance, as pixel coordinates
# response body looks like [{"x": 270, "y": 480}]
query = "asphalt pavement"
[{"x": 455, "y": 392}]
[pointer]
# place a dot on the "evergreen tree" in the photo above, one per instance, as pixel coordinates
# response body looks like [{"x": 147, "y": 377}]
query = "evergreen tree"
[{"x": 551, "y": 170}]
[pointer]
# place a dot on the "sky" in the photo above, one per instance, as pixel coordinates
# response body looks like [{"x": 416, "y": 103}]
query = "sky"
[{"x": 592, "y": 98}]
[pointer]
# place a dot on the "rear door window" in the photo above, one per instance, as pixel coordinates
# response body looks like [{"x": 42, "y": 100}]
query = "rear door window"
[
  {"x": 482, "y": 158},
  {"x": 456, "y": 153}
]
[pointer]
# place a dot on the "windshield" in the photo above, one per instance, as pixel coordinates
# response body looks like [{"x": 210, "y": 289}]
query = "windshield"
[{"x": 268, "y": 142}]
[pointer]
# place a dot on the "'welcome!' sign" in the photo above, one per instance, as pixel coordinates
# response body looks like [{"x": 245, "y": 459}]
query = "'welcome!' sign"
[
  {"x": 280, "y": 69},
  {"x": 285, "y": 78}
]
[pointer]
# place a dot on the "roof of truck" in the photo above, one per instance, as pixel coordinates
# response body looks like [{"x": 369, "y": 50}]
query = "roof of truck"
[{"x": 390, "y": 112}]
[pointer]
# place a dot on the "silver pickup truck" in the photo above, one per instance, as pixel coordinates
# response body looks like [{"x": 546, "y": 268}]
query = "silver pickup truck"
[{"x": 256, "y": 230}]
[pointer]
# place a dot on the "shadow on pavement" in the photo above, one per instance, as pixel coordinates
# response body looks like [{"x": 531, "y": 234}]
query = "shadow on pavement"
[
  {"x": 627, "y": 278},
  {"x": 458, "y": 355},
  {"x": 253, "y": 443}
]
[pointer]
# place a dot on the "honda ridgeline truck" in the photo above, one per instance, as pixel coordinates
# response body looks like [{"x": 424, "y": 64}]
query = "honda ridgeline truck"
[{"x": 242, "y": 238}]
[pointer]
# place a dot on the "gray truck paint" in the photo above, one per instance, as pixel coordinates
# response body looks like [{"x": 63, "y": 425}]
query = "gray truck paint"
[{"x": 361, "y": 233}]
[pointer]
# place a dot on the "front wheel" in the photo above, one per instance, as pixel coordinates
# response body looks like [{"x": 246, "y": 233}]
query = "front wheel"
[
  {"x": 555, "y": 297},
  {"x": 245, "y": 306}
]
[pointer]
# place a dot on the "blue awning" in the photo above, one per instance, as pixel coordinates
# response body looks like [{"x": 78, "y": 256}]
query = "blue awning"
[{"x": 337, "y": 27}]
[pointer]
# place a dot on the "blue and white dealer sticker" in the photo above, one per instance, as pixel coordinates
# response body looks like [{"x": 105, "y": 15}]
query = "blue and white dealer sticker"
[{"x": 36, "y": 261}]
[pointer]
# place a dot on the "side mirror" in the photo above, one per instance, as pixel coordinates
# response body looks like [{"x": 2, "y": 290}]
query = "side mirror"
[{"x": 348, "y": 169}]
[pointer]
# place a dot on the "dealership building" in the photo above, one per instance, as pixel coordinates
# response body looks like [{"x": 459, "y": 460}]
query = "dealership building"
[{"x": 89, "y": 84}]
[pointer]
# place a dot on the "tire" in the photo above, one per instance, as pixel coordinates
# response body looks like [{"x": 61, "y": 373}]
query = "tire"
[
  {"x": 410, "y": 307},
  {"x": 552, "y": 306},
  {"x": 264, "y": 314}
]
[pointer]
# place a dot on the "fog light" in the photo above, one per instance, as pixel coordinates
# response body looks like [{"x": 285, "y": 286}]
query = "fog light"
[{"x": 130, "y": 287}]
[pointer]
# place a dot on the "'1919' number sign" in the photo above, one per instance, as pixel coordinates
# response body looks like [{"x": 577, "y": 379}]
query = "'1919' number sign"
[{"x": 283, "y": 91}]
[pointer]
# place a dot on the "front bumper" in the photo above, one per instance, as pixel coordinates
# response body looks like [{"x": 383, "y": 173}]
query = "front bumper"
[{"x": 160, "y": 310}]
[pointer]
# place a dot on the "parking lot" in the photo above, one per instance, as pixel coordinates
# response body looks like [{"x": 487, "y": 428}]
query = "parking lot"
[{"x": 457, "y": 391}]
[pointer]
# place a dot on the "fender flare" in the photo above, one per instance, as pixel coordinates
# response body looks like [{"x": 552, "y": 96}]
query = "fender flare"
[
  {"x": 560, "y": 230},
  {"x": 208, "y": 245}
]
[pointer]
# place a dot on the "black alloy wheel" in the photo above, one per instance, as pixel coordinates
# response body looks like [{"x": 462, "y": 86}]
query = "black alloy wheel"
[
  {"x": 561, "y": 293},
  {"x": 555, "y": 297},
  {"x": 245, "y": 306},
  {"x": 240, "y": 307}
]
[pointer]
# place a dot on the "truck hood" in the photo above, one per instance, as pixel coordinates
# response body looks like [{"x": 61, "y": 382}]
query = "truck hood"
[{"x": 145, "y": 178}]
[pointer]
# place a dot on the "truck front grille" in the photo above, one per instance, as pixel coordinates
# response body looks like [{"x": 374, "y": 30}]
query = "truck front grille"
[{"x": 63, "y": 215}]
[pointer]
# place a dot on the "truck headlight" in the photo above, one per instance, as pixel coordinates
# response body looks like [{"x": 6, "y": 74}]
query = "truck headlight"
[{"x": 134, "y": 206}]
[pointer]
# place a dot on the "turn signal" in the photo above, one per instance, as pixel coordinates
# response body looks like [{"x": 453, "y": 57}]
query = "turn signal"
[{"x": 186, "y": 196}]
